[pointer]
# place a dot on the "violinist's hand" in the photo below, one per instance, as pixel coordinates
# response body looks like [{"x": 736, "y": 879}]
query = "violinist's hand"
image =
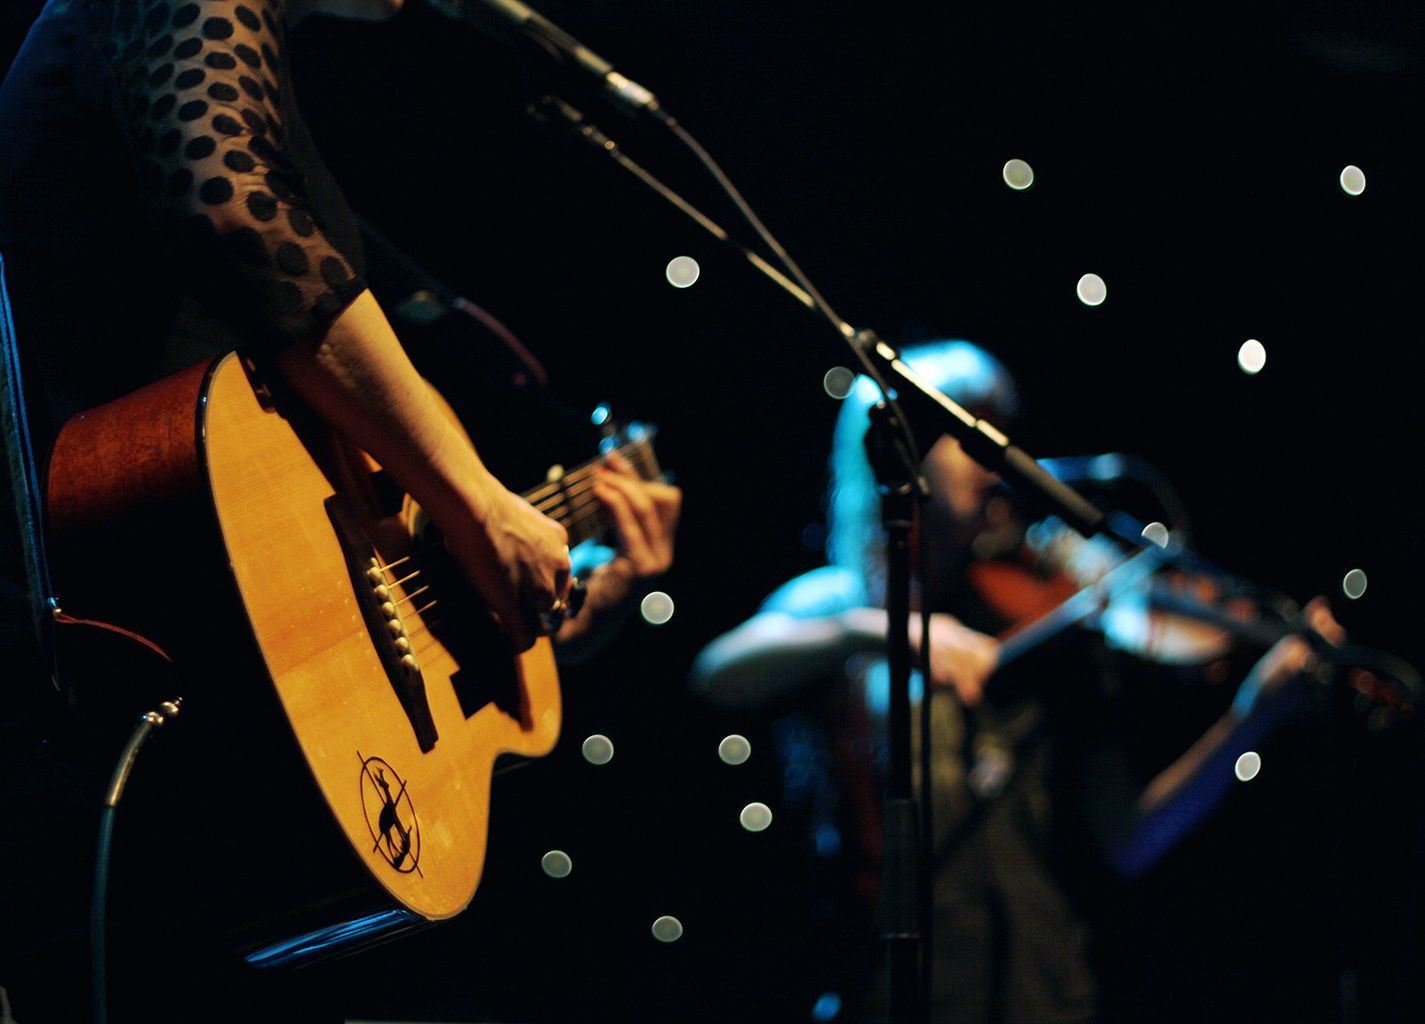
[
  {"x": 959, "y": 657},
  {"x": 1288, "y": 659}
]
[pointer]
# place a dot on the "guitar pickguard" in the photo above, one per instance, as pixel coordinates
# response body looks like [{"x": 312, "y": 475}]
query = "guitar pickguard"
[{"x": 489, "y": 672}]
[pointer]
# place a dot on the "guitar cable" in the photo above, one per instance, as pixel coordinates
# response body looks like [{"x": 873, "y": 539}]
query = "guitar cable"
[{"x": 98, "y": 956}]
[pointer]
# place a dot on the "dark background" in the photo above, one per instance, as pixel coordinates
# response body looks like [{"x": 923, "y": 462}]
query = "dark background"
[{"x": 1188, "y": 154}]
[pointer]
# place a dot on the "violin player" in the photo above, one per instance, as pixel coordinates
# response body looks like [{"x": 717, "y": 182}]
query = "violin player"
[{"x": 1013, "y": 752}]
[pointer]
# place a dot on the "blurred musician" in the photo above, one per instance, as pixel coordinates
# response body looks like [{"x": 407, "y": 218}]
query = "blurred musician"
[{"x": 1015, "y": 754}]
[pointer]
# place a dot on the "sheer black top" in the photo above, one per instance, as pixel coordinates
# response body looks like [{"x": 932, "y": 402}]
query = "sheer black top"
[{"x": 151, "y": 152}]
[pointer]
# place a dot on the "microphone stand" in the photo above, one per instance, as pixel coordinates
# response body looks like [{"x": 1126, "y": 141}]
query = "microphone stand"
[
  {"x": 895, "y": 456},
  {"x": 892, "y": 448},
  {"x": 905, "y": 924},
  {"x": 892, "y": 443}
]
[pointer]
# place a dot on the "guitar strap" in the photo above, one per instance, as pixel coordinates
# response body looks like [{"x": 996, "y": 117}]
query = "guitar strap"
[{"x": 25, "y": 480}]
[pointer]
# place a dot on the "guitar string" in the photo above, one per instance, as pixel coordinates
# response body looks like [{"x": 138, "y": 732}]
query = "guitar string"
[
  {"x": 583, "y": 472},
  {"x": 432, "y": 628},
  {"x": 561, "y": 495},
  {"x": 411, "y": 596},
  {"x": 436, "y": 642},
  {"x": 434, "y": 575},
  {"x": 551, "y": 506},
  {"x": 553, "y": 490},
  {"x": 552, "y": 495},
  {"x": 424, "y": 626},
  {"x": 574, "y": 515},
  {"x": 581, "y": 513},
  {"x": 570, "y": 485}
]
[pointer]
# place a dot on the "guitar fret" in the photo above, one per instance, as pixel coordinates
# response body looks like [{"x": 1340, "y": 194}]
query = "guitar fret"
[
  {"x": 584, "y": 522},
  {"x": 566, "y": 500}
]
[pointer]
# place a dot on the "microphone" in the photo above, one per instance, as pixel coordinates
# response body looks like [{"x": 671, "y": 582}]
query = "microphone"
[
  {"x": 510, "y": 21},
  {"x": 1112, "y": 468}
]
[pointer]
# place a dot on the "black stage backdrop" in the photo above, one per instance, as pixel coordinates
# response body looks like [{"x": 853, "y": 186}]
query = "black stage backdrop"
[{"x": 1187, "y": 154}]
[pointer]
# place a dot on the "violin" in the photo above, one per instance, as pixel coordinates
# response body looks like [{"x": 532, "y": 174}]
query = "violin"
[
  {"x": 1148, "y": 604},
  {"x": 1059, "y": 578}
]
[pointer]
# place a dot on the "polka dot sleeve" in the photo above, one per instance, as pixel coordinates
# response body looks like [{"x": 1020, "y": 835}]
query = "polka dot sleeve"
[{"x": 207, "y": 101}]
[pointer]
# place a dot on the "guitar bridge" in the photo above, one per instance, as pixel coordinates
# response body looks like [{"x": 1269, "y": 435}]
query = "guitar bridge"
[{"x": 383, "y": 621}]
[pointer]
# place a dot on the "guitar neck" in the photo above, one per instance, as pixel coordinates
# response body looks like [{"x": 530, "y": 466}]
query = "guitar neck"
[{"x": 569, "y": 499}]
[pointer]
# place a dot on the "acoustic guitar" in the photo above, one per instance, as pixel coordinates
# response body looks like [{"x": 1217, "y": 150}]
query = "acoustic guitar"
[{"x": 346, "y": 693}]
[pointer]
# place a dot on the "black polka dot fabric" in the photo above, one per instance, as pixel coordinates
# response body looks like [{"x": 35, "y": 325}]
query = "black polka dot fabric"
[{"x": 204, "y": 84}]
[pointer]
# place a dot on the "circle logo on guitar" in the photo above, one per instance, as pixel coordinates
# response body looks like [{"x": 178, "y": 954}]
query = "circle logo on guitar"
[{"x": 390, "y": 815}]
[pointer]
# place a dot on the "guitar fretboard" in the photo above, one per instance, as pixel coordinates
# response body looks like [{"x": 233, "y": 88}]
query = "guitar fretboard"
[{"x": 569, "y": 499}]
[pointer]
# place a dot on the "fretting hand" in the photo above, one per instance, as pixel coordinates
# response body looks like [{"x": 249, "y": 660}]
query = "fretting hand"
[{"x": 644, "y": 515}]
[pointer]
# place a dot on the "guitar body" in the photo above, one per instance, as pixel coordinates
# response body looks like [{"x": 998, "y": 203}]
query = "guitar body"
[{"x": 344, "y": 719}]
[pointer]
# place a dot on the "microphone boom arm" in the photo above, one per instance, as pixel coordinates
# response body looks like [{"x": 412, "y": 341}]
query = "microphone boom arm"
[{"x": 932, "y": 412}]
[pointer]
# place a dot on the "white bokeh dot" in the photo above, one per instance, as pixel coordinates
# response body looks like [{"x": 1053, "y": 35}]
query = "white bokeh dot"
[
  {"x": 1091, "y": 289},
  {"x": 1252, "y": 356},
  {"x": 1248, "y": 765},
  {"x": 755, "y": 817},
  {"x": 1354, "y": 584},
  {"x": 1018, "y": 175},
  {"x": 556, "y": 864},
  {"x": 682, "y": 271},
  {"x": 598, "y": 749},
  {"x": 656, "y": 608},
  {"x": 1353, "y": 180},
  {"x": 838, "y": 382},
  {"x": 667, "y": 929},
  {"x": 734, "y": 749}
]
